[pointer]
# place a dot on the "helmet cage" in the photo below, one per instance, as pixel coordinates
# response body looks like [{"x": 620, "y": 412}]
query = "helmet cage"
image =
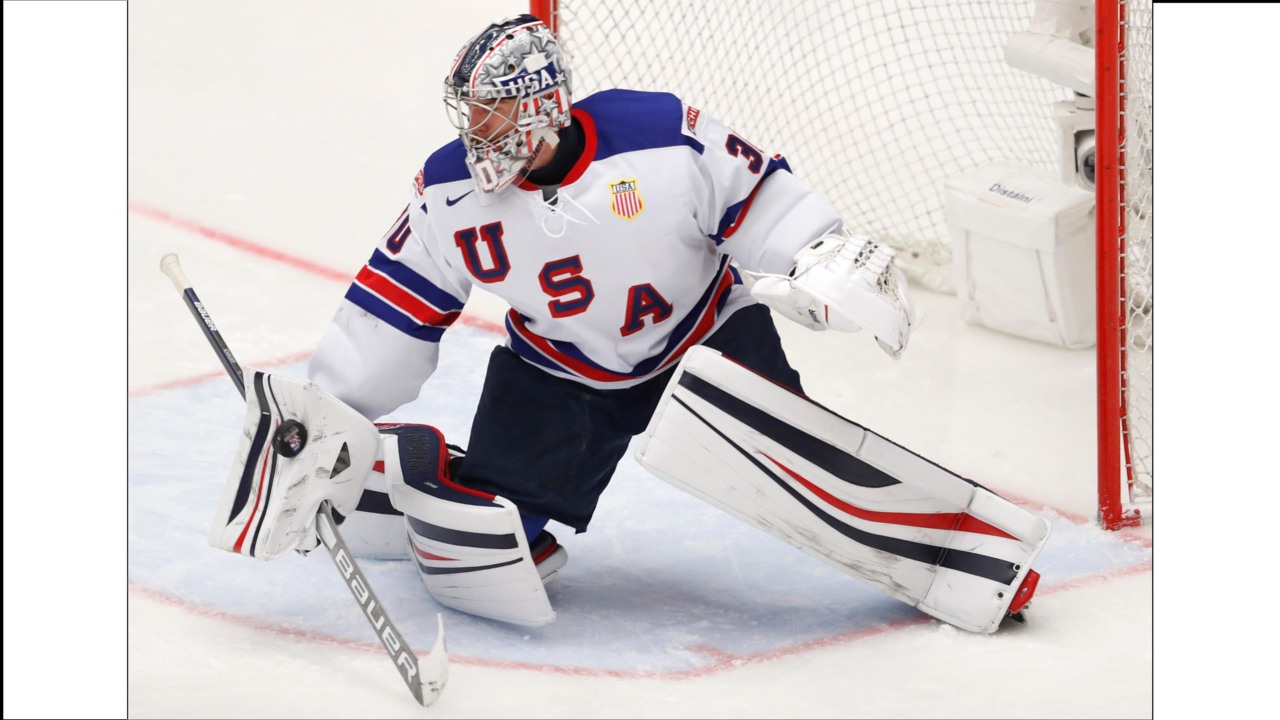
[{"x": 518, "y": 59}]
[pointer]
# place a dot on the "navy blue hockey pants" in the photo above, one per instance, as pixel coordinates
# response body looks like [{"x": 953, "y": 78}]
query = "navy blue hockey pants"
[{"x": 550, "y": 445}]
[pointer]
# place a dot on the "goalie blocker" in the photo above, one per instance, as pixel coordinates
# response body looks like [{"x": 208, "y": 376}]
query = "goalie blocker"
[
  {"x": 299, "y": 447},
  {"x": 853, "y": 499}
]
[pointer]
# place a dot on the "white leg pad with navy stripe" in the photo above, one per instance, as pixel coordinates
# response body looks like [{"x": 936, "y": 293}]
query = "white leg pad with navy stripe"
[
  {"x": 376, "y": 529},
  {"x": 853, "y": 499},
  {"x": 469, "y": 547}
]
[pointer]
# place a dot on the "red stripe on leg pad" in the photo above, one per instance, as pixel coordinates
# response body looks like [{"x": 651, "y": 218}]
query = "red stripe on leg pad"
[{"x": 939, "y": 521}]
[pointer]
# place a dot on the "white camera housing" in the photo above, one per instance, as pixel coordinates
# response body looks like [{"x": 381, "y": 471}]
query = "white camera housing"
[
  {"x": 1075, "y": 142},
  {"x": 1086, "y": 162}
]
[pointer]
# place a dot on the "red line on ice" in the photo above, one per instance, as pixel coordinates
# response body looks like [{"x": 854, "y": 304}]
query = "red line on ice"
[
  {"x": 268, "y": 253},
  {"x": 723, "y": 660}
]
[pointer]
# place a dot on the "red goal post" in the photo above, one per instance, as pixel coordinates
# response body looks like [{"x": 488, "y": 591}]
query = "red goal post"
[
  {"x": 1124, "y": 149},
  {"x": 924, "y": 93}
]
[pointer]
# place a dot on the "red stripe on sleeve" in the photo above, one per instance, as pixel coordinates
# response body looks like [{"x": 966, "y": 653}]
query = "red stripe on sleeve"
[{"x": 404, "y": 300}]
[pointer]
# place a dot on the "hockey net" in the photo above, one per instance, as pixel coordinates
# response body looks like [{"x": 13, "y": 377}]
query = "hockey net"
[
  {"x": 1125, "y": 278},
  {"x": 876, "y": 103}
]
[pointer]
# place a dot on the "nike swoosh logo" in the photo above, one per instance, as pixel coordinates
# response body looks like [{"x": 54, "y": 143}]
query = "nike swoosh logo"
[{"x": 454, "y": 201}]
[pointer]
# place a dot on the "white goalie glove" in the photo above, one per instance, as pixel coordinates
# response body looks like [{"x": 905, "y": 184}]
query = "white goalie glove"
[{"x": 844, "y": 283}]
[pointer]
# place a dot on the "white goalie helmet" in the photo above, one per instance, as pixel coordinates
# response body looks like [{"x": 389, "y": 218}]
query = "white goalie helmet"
[{"x": 507, "y": 94}]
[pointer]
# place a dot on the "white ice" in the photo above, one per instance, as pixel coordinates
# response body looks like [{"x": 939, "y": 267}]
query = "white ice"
[{"x": 270, "y": 146}]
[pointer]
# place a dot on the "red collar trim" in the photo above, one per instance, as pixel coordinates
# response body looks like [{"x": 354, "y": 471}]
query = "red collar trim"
[{"x": 588, "y": 151}]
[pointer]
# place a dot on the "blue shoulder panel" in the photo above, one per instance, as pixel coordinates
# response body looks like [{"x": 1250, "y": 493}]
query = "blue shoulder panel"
[
  {"x": 630, "y": 120},
  {"x": 446, "y": 165}
]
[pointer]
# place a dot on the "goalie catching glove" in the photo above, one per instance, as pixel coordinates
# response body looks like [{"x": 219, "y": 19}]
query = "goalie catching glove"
[{"x": 843, "y": 283}]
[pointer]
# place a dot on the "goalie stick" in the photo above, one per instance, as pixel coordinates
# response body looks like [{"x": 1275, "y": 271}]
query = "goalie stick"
[{"x": 425, "y": 678}]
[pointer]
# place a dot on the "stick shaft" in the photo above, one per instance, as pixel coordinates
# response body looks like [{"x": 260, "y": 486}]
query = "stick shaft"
[
  {"x": 392, "y": 641},
  {"x": 170, "y": 267}
]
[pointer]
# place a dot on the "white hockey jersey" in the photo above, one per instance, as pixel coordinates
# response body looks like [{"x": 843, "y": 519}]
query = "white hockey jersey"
[{"x": 609, "y": 286}]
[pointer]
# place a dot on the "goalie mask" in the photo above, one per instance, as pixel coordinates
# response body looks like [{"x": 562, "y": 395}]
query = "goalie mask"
[{"x": 507, "y": 94}]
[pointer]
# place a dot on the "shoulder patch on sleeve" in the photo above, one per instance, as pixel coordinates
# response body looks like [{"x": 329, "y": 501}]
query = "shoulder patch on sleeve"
[{"x": 691, "y": 114}]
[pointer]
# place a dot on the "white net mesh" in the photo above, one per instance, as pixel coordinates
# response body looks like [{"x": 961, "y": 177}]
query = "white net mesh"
[
  {"x": 874, "y": 103},
  {"x": 1137, "y": 382}
]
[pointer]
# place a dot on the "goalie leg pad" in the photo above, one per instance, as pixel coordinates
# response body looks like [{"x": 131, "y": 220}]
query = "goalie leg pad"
[
  {"x": 299, "y": 447},
  {"x": 376, "y": 529},
  {"x": 469, "y": 546},
  {"x": 841, "y": 493}
]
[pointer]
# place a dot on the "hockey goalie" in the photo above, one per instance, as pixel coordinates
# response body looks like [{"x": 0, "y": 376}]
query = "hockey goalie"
[{"x": 644, "y": 248}]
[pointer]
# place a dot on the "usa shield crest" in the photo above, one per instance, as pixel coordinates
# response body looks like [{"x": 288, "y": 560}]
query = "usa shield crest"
[{"x": 626, "y": 202}]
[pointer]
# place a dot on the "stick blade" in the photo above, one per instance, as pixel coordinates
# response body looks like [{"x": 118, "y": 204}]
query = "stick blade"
[{"x": 434, "y": 668}]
